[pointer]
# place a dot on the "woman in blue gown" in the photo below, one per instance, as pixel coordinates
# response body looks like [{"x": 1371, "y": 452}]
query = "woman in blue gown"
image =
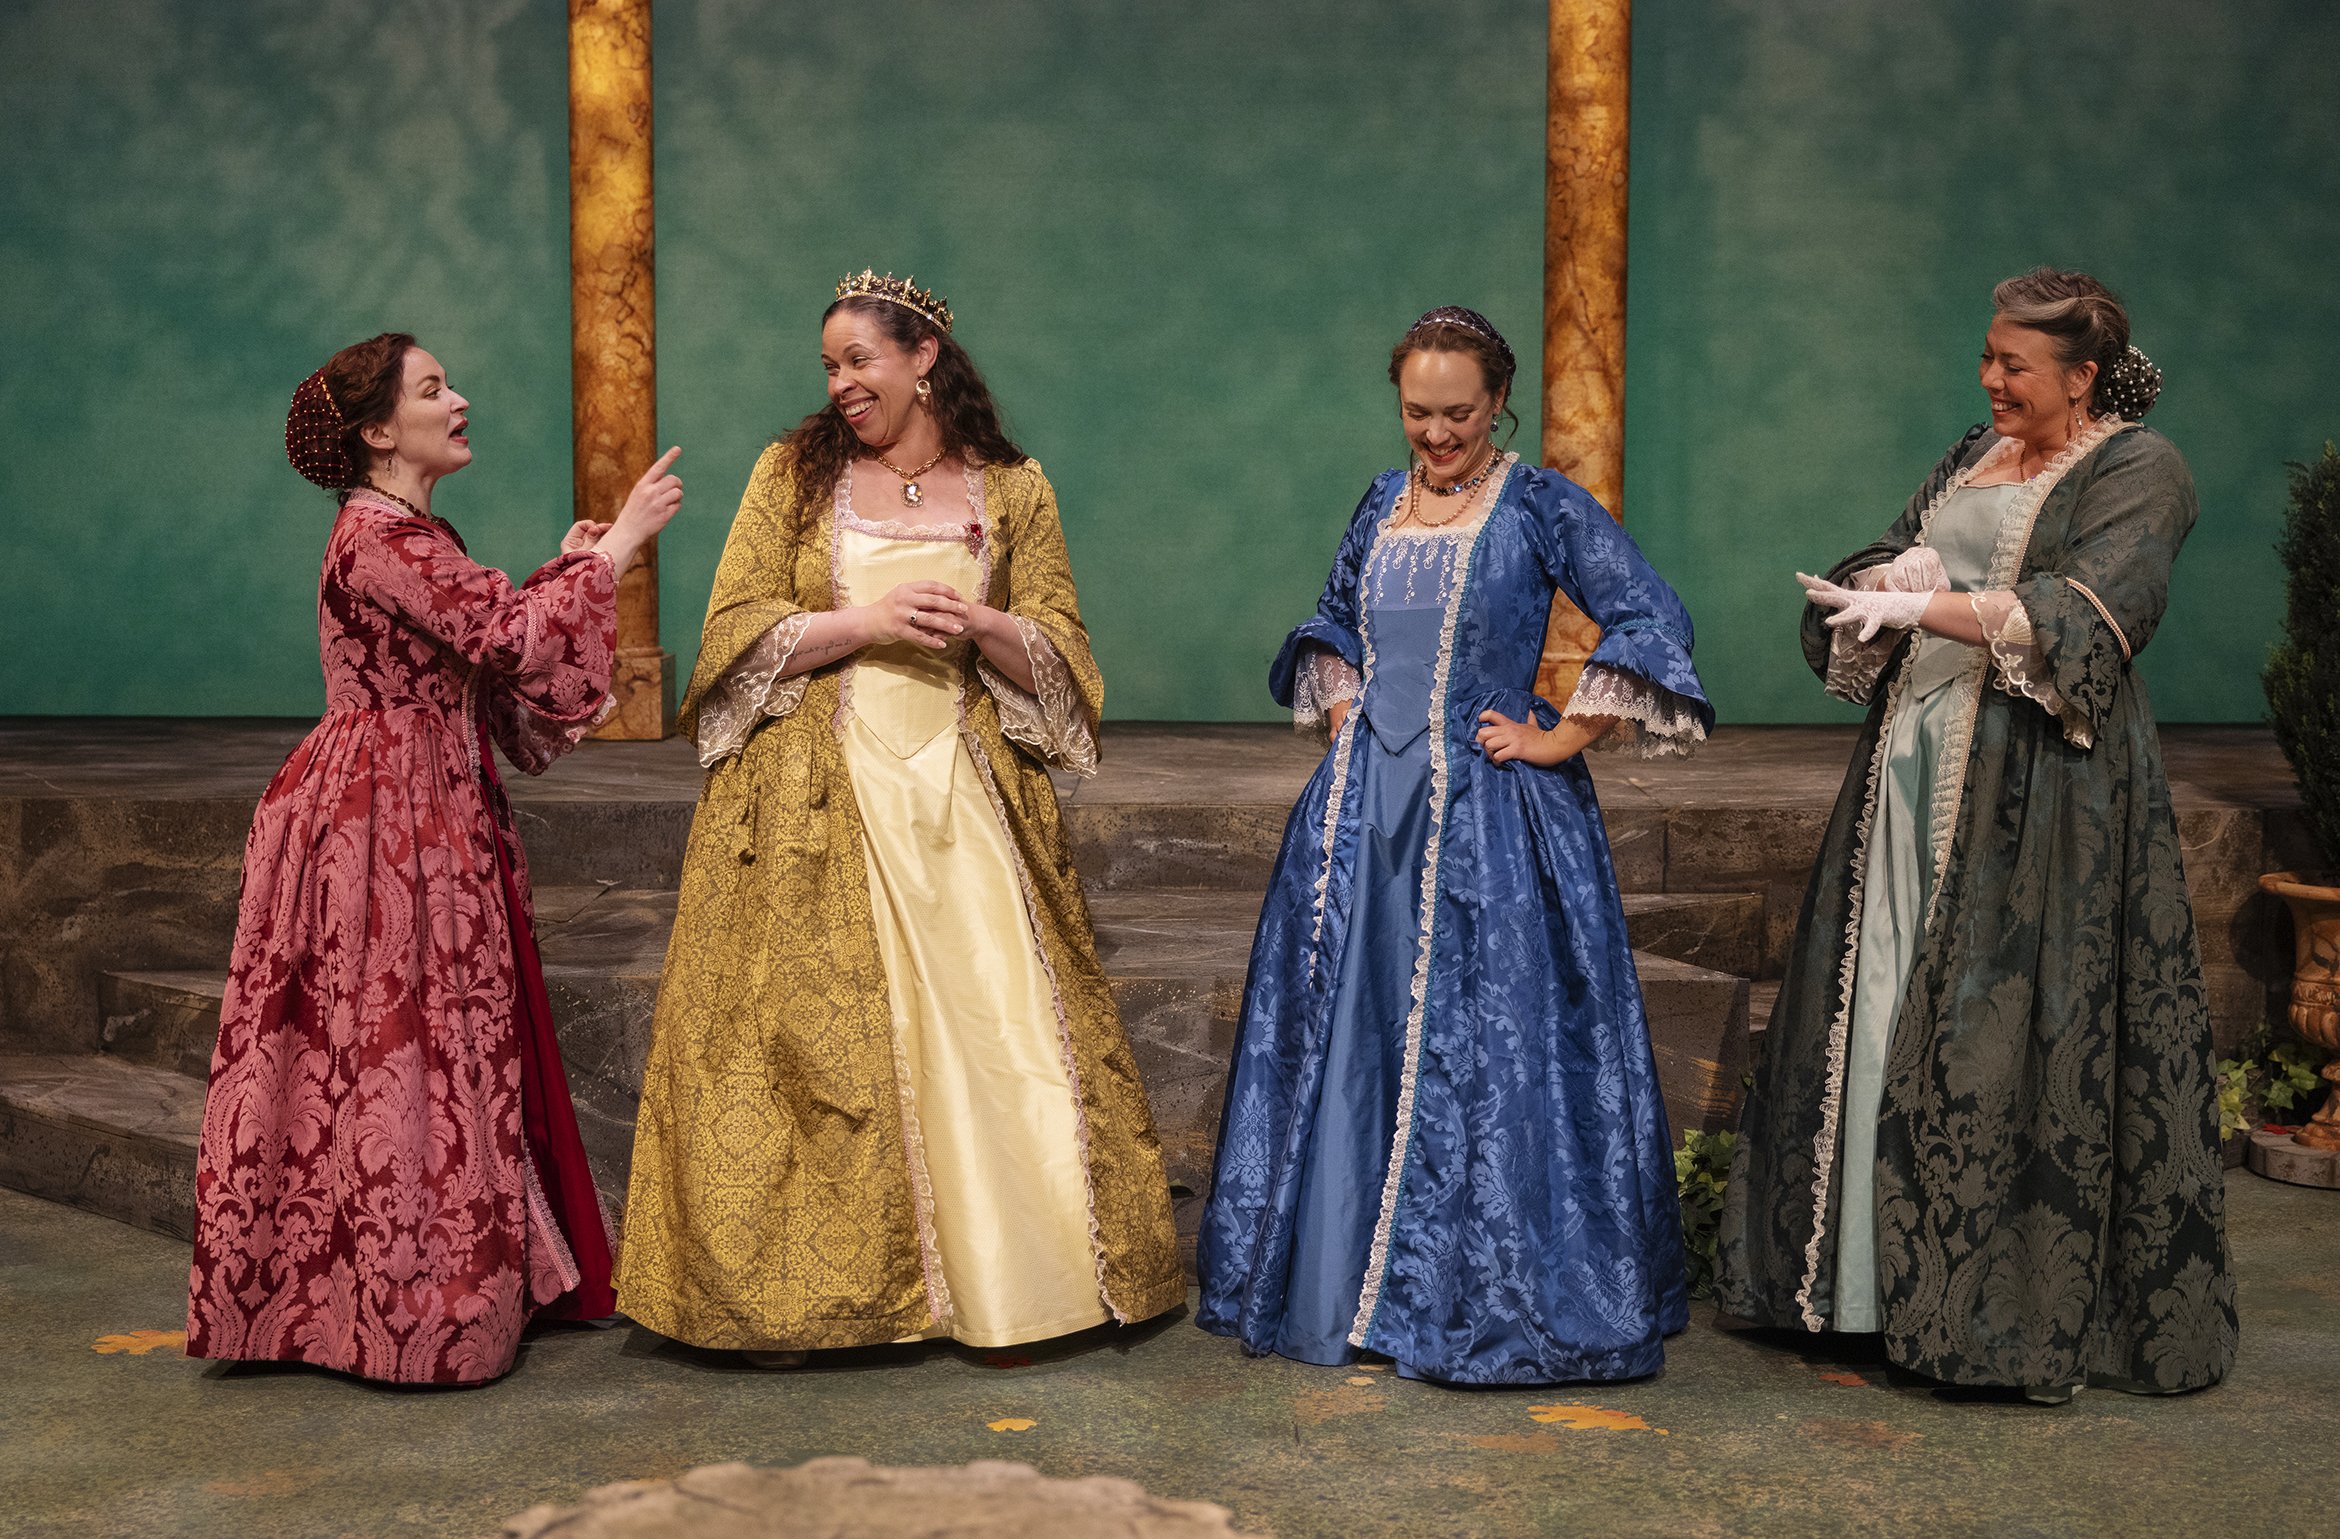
[{"x": 1443, "y": 1140}]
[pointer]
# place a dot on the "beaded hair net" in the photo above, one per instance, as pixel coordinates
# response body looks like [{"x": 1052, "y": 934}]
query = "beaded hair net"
[
  {"x": 2129, "y": 388},
  {"x": 1468, "y": 320},
  {"x": 896, "y": 291},
  {"x": 313, "y": 434}
]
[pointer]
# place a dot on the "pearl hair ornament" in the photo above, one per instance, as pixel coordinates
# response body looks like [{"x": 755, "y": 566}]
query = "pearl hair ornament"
[
  {"x": 314, "y": 436},
  {"x": 2129, "y": 388}
]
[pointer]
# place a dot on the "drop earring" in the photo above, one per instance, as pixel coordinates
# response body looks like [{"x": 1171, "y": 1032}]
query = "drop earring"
[{"x": 925, "y": 393}]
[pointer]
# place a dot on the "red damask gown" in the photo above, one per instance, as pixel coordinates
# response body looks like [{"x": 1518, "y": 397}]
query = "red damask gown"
[{"x": 391, "y": 1181}]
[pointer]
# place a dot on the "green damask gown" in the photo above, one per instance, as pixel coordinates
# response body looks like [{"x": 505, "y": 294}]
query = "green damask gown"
[{"x": 2045, "y": 1189}]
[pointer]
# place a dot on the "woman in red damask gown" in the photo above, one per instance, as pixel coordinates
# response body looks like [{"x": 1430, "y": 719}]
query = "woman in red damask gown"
[{"x": 391, "y": 1181}]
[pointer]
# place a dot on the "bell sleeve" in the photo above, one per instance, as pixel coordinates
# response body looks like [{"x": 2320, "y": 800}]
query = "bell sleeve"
[
  {"x": 2066, "y": 635},
  {"x": 1322, "y": 661},
  {"x": 545, "y": 646},
  {"x": 1849, "y": 668},
  {"x": 1056, "y": 720},
  {"x": 1641, "y": 672},
  {"x": 754, "y": 622}
]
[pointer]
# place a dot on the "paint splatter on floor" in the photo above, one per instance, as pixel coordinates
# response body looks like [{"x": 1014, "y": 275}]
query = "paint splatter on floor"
[
  {"x": 1316, "y": 1406},
  {"x": 1012, "y": 1424},
  {"x": 1358, "y": 1379},
  {"x": 1592, "y": 1418},
  {"x": 1858, "y": 1434},
  {"x": 1844, "y": 1376},
  {"x": 139, "y": 1343},
  {"x": 1006, "y": 1360}
]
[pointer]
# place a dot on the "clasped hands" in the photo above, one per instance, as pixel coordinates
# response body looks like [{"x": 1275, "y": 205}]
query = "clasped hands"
[
  {"x": 928, "y": 614},
  {"x": 1898, "y": 603}
]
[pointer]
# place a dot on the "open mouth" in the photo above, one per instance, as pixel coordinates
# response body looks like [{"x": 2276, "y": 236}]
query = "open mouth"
[
  {"x": 460, "y": 431},
  {"x": 858, "y": 408}
]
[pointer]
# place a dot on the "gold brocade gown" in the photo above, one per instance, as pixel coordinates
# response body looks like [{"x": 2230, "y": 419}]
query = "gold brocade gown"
[{"x": 887, "y": 1092}]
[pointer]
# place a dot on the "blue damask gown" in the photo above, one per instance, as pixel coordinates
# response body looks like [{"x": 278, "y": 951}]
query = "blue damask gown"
[{"x": 1443, "y": 1139}]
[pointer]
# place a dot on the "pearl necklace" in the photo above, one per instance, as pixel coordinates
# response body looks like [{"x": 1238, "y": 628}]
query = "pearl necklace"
[{"x": 1421, "y": 478}]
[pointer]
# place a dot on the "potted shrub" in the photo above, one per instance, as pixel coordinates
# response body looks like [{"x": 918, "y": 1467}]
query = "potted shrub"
[{"x": 2303, "y": 703}]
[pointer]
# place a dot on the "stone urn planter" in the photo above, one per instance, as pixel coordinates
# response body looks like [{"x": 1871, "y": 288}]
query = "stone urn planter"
[{"x": 2315, "y": 1007}]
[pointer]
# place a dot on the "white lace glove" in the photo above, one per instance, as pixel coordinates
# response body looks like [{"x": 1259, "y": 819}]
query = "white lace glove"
[
  {"x": 1872, "y": 612},
  {"x": 1918, "y": 569}
]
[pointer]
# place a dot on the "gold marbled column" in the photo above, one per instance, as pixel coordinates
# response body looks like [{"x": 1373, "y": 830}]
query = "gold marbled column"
[
  {"x": 612, "y": 324},
  {"x": 1584, "y": 283}
]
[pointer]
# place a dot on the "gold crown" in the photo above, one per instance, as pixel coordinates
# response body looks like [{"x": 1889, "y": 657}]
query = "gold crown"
[{"x": 897, "y": 291}]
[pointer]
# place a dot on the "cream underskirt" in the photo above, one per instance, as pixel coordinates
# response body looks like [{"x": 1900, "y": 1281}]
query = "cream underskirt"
[{"x": 974, "y": 1018}]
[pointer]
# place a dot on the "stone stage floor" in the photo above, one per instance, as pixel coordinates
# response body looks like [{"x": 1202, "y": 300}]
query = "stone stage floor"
[
  {"x": 119, "y": 852},
  {"x": 106, "y": 1429}
]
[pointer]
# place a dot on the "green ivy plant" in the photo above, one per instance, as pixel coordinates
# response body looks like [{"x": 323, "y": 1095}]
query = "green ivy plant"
[
  {"x": 1702, "y": 1170},
  {"x": 2270, "y": 1074}
]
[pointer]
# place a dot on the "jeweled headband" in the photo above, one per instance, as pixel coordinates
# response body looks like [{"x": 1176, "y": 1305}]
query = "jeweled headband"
[
  {"x": 896, "y": 291},
  {"x": 1468, "y": 320}
]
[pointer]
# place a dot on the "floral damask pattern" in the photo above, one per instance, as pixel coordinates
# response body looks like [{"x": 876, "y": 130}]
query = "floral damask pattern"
[
  {"x": 364, "y": 1182},
  {"x": 774, "y": 1197},
  {"x": 2050, "y": 1202},
  {"x": 1519, "y": 1220}
]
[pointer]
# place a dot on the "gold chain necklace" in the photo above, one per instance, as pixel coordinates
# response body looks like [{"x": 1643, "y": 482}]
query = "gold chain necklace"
[{"x": 912, "y": 493}]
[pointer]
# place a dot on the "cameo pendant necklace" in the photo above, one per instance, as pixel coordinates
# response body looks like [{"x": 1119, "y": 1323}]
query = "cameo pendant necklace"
[{"x": 912, "y": 493}]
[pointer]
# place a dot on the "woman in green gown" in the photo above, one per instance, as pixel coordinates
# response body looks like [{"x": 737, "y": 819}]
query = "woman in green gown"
[{"x": 1985, "y": 1123}]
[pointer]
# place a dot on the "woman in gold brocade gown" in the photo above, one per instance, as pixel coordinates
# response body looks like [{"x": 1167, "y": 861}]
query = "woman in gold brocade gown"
[{"x": 888, "y": 1095}]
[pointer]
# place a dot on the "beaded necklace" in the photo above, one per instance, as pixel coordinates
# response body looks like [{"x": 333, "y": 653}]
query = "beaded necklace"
[
  {"x": 1421, "y": 478},
  {"x": 383, "y": 491}
]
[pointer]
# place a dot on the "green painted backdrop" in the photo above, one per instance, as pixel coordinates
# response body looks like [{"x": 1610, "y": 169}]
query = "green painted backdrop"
[{"x": 1180, "y": 239}]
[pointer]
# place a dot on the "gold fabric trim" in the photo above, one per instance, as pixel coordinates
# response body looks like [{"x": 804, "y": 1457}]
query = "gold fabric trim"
[{"x": 2120, "y": 637}]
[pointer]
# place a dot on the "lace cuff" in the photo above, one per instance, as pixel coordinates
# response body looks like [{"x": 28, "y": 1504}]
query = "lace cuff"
[
  {"x": 752, "y": 689},
  {"x": 1321, "y": 681},
  {"x": 1854, "y": 666},
  {"x": 1049, "y": 719},
  {"x": 2019, "y": 667},
  {"x": 1652, "y": 722}
]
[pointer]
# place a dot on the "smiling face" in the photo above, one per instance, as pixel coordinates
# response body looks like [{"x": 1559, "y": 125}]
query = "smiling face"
[
  {"x": 873, "y": 380},
  {"x": 2030, "y": 393},
  {"x": 426, "y": 430},
  {"x": 1447, "y": 411}
]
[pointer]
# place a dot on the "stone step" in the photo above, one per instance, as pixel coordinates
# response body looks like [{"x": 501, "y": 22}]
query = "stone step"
[
  {"x": 1720, "y": 931},
  {"x": 166, "y": 1019},
  {"x": 1698, "y": 1032},
  {"x": 102, "y": 1133},
  {"x": 1176, "y": 958}
]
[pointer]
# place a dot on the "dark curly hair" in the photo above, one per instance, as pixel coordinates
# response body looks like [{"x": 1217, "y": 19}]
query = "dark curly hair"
[
  {"x": 1496, "y": 365},
  {"x": 821, "y": 446}
]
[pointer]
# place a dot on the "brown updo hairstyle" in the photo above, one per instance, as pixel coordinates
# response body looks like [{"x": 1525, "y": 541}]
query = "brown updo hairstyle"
[
  {"x": 357, "y": 388},
  {"x": 1497, "y": 366},
  {"x": 824, "y": 444},
  {"x": 2087, "y": 323}
]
